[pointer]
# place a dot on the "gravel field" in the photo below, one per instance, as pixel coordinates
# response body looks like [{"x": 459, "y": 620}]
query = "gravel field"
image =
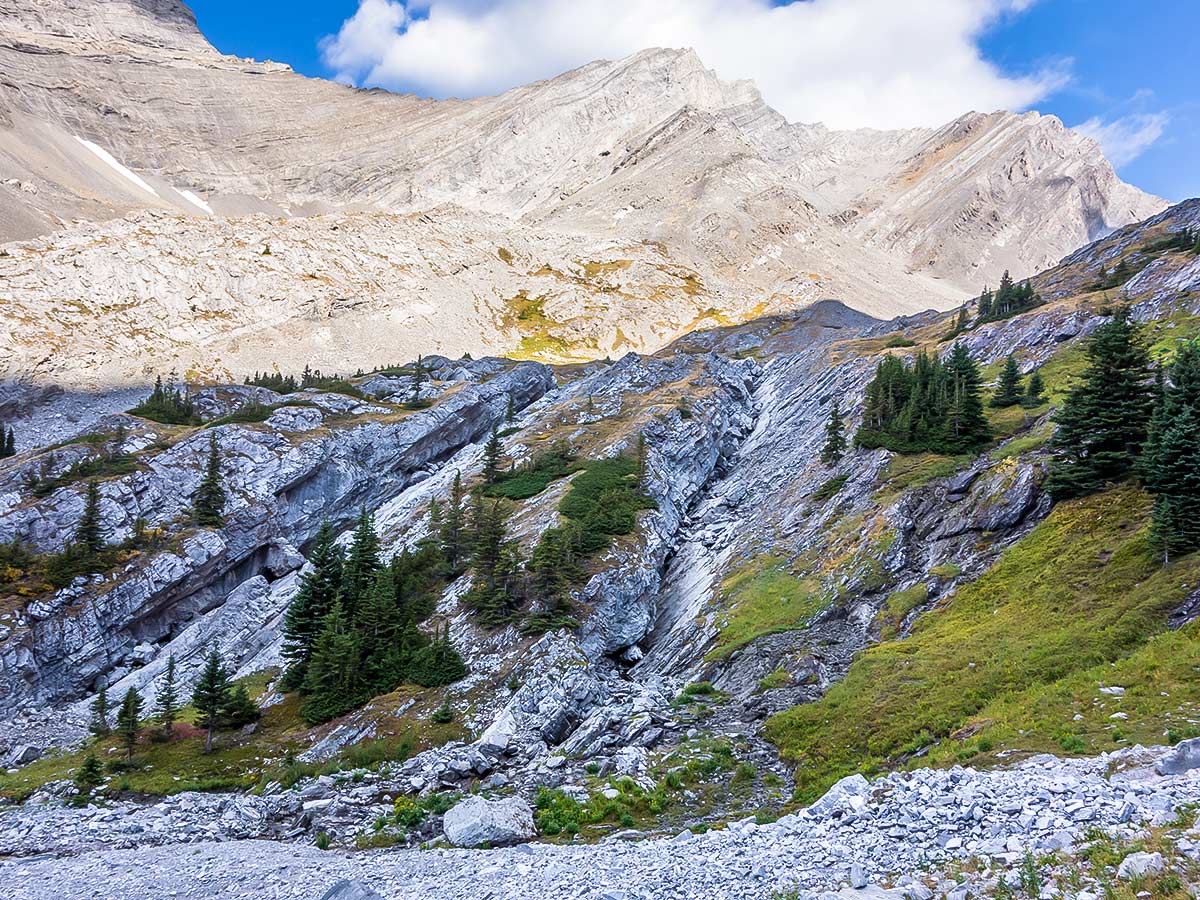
[{"x": 864, "y": 839}]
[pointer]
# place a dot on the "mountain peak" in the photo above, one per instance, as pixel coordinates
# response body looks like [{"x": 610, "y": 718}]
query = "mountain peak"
[{"x": 158, "y": 24}]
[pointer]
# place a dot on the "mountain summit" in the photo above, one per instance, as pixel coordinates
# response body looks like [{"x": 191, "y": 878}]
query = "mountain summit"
[{"x": 628, "y": 201}]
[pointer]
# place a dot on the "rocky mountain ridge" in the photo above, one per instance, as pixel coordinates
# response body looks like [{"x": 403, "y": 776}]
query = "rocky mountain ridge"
[
  {"x": 635, "y": 199},
  {"x": 758, "y": 581},
  {"x": 732, "y": 422}
]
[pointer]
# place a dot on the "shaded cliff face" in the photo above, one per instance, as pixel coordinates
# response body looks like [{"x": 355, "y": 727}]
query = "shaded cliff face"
[{"x": 634, "y": 200}]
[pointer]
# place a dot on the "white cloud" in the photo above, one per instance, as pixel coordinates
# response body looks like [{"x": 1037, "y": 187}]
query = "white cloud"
[
  {"x": 364, "y": 37},
  {"x": 1127, "y": 138},
  {"x": 848, "y": 63}
]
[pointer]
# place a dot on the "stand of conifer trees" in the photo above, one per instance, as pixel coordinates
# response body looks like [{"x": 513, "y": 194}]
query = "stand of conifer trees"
[
  {"x": 169, "y": 406},
  {"x": 1102, "y": 424},
  {"x": 1117, "y": 422},
  {"x": 1008, "y": 300},
  {"x": 928, "y": 405},
  {"x": 352, "y": 631},
  {"x": 1170, "y": 462}
]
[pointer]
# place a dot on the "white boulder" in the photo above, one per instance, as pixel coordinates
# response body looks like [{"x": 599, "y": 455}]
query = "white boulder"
[{"x": 476, "y": 822}]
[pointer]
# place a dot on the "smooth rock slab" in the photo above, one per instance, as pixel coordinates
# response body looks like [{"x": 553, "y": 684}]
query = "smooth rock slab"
[
  {"x": 1184, "y": 758},
  {"x": 1139, "y": 865},
  {"x": 476, "y": 822},
  {"x": 350, "y": 890}
]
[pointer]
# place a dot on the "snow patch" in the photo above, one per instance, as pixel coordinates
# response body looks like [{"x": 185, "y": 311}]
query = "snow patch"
[
  {"x": 109, "y": 160},
  {"x": 194, "y": 199}
]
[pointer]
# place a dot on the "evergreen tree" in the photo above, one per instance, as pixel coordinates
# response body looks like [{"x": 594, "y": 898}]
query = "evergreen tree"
[
  {"x": 966, "y": 426},
  {"x": 510, "y": 412},
  {"x": 319, "y": 588},
  {"x": 985, "y": 305},
  {"x": 376, "y": 621},
  {"x": 167, "y": 405},
  {"x": 963, "y": 321},
  {"x": 1008, "y": 390},
  {"x": 333, "y": 685},
  {"x": 209, "y": 501},
  {"x": 211, "y": 696},
  {"x": 362, "y": 562},
  {"x": 1176, "y": 485},
  {"x": 127, "y": 720},
  {"x": 1035, "y": 390},
  {"x": 1103, "y": 423},
  {"x": 437, "y": 664},
  {"x": 496, "y": 564},
  {"x": 1170, "y": 463},
  {"x": 8, "y": 443},
  {"x": 554, "y": 566},
  {"x": 89, "y": 534},
  {"x": 90, "y": 775},
  {"x": 99, "y": 723},
  {"x": 835, "y": 440},
  {"x": 239, "y": 708},
  {"x": 418, "y": 379},
  {"x": 166, "y": 704},
  {"x": 491, "y": 458},
  {"x": 929, "y": 405},
  {"x": 453, "y": 531}
]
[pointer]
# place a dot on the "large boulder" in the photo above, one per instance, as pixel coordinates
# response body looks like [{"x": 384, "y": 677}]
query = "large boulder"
[
  {"x": 1140, "y": 865},
  {"x": 1183, "y": 758},
  {"x": 476, "y": 822},
  {"x": 851, "y": 791}
]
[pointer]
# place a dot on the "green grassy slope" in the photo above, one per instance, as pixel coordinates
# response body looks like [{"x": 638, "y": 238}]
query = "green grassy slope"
[{"x": 1010, "y": 659}]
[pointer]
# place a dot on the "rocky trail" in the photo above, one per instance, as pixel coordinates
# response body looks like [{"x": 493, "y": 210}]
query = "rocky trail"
[{"x": 907, "y": 836}]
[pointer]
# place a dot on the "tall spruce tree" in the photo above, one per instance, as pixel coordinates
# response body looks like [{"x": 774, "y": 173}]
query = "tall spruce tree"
[
  {"x": 210, "y": 697},
  {"x": 377, "y": 621},
  {"x": 8, "y": 442},
  {"x": 453, "y": 531},
  {"x": 362, "y": 562},
  {"x": 1175, "y": 483},
  {"x": 319, "y": 588},
  {"x": 98, "y": 725},
  {"x": 835, "y": 438},
  {"x": 1103, "y": 423},
  {"x": 1008, "y": 390},
  {"x": 418, "y": 380},
  {"x": 966, "y": 427},
  {"x": 496, "y": 564},
  {"x": 1170, "y": 462},
  {"x": 333, "y": 684},
  {"x": 166, "y": 704},
  {"x": 491, "y": 458},
  {"x": 128, "y": 717},
  {"x": 985, "y": 305},
  {"x": 209, "y": 501},
  {"x": 89, "y": 534},
  {"x": 1035, "y": 390}
]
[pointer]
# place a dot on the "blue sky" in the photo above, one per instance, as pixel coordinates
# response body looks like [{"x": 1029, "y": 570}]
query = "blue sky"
[{"x": 1126, "y": 68}]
